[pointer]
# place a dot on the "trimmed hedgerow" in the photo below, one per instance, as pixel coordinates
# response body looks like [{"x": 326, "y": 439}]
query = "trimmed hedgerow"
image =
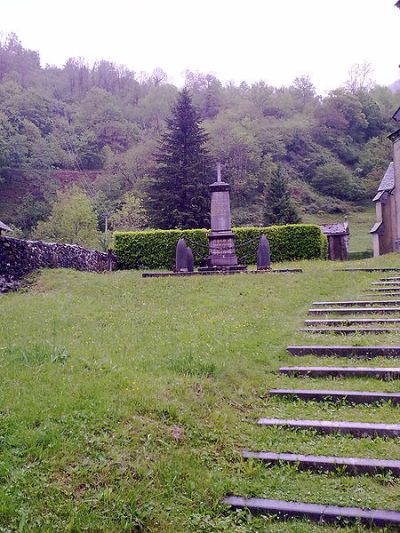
[
  {"x": 156, "y": 248},
  {"x": 287, "y": 243}
]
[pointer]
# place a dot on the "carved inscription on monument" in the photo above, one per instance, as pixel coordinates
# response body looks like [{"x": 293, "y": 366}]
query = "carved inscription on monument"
[{"x": 220, "y": 209}]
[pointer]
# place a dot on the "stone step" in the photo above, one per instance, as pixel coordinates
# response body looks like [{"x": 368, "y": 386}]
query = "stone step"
[
  {"x": 345, "y": 351},
  {"x": 358, "y": 303},
  {"x": 352, "y": 310},
  {"x": 395, "y": 290},
  {"x": 385, "y": 269},
  {"x": 348, "y": 321},
  {"x": 338, "y": 395},
  {"x": 349, "y": 331},
  {"x": 393, "y": 278},
  {"x": 220, "y": 272},
  {"x": 353, "y": 465},
  {"x": 386, "y": 293},
  {"x": 386, "y": 283},
  {"x": 316, "y": 512},
  {"x": 357, "y": 429},
  {"x": 341, "y": 371}
]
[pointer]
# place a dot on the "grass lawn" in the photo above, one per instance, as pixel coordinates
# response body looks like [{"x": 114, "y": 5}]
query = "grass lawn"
[{"x": 125, "y": 401}]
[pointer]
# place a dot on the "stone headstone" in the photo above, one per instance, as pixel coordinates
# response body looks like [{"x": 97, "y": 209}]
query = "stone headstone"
[
  {"x": 181, "y": 257},
  {"x": 190, "y": 259},
  {"x": 263, "y": 254}
]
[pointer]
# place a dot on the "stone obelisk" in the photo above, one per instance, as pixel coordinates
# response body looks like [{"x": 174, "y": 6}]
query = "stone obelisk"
[{"x": 221, "y": 240}]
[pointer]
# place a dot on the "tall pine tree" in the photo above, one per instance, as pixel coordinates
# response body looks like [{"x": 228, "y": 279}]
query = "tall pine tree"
[
  {"x": 279, "y": 208},
  {"x": 178, "y": 194}
]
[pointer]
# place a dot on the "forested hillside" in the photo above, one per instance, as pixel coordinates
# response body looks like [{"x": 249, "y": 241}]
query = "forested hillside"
[{"x": 99, "y": 126}]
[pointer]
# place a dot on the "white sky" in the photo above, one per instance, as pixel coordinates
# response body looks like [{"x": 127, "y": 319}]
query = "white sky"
[{"x": 272, "y": 40}]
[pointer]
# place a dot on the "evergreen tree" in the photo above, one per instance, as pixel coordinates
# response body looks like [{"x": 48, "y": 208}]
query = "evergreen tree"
[
  {"x": 178, "y": 195},
  {"x": 279, "y": 208}
]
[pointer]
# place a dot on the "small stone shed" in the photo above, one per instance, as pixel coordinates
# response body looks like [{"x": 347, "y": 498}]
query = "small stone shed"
[
  {"x": 338, "y": 235},
  {"x": 382, "y": 231},
  {"x": 3, "y": 227}
]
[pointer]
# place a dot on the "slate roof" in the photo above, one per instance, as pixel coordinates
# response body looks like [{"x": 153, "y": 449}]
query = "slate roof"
[
  {"x": 377, "y": 228},
  {"x": 337, "y": 228},
  {"x": 4, "y": 227},
  {"x": 396, "y": 115},
  {"x": 387, "y": 183}
]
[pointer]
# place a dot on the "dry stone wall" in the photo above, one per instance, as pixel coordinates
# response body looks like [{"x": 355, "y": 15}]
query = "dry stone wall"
[{"x": 19, "y": 257}]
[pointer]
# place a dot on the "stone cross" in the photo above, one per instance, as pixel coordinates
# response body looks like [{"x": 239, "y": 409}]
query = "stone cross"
[{"x": 219, "y": 172}]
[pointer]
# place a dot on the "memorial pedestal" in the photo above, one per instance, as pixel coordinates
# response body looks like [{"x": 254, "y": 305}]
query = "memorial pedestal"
[{"x": 221, "y": 240}]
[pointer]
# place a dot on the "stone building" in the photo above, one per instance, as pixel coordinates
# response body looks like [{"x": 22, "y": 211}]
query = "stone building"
[
  {"x": 386, "y": 230},
  {"x": 338, "y": 240},
  {"x": 382, "y": 230}
]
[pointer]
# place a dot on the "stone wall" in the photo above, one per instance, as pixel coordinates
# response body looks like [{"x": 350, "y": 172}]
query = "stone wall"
[{"x": 19, "y": 257}]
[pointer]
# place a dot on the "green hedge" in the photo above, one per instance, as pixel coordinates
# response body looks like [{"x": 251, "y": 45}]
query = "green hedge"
[{"x": 156, "y": 248}]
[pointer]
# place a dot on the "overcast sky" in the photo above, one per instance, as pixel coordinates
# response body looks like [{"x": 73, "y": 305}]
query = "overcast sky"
[{"x": 272, "y": 40}]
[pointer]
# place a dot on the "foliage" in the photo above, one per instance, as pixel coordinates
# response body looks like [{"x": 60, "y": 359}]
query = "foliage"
[
  {"x": 156, "y": 248},
  {"x": 287, "y": 243},
  {"x": 334, "y": 179},
  {"x": 72, "y": 220},
  {"x": 60, "y": 126},
  {"x": 178, "y": 195},
  {"x": 130, "y": 216},
  {"x": 279, "y": 208}
]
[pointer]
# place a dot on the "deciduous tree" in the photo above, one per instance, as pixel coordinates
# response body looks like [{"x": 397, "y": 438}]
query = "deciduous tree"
[{"x": 72, "y": 220}]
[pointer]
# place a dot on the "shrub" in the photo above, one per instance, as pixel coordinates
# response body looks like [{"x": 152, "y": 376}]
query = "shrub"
[
  {"x": 287, "y": 243},
  {"x": 156, "y": 248}
]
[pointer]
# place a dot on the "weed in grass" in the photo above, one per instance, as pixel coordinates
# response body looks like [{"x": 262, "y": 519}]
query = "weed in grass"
[
  {"x": 190, "y": 365},
  {"x": 35, "y": 354}
]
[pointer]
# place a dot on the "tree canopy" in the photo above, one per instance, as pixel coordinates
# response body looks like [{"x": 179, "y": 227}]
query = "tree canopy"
[{"x": 72, "y": 220}]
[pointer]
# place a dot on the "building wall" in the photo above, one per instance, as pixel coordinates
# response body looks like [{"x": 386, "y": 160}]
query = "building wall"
[
  {"x": 396, "y": 206},
  {"x": 386, "y": 240}
]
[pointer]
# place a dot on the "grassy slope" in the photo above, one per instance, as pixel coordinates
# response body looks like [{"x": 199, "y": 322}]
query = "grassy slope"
[
  {"x": 360, "y": 222},
  {"x": 124, "y": 402}
]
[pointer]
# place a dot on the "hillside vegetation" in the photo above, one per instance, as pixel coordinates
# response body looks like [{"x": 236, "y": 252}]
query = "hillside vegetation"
[{"x": 99, "y": 126}]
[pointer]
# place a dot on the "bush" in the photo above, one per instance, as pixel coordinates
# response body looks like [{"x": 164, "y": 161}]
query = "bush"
[
  {"x": 156, "y": 248},
  {"x": 287, "y": 243}
]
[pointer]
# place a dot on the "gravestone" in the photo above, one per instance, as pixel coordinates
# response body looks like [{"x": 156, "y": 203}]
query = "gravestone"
[
  {"x": 190, "y": 259},
  {"x": 263, "y": 254},
  {"x": 181, "y": 257}
]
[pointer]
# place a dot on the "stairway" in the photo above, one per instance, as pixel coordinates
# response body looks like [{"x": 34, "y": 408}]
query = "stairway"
[{"x": 352, "y": 323}]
